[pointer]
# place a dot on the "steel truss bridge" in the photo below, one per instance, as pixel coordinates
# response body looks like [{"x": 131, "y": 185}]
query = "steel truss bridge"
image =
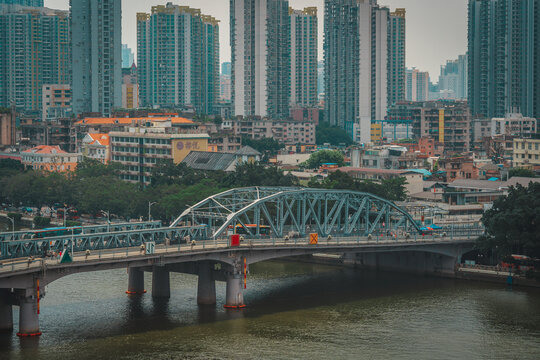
[
  {"x": 298, "y": 212},
  {"x": 277, "y": 222}
]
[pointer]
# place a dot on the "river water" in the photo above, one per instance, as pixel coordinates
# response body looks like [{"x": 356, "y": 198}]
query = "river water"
[{"x": 294, "y": 311}]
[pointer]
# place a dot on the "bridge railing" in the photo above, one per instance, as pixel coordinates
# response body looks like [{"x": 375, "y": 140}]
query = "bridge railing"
[
  {"x": 49, "y": 247},
  {"x": 186, "y": 246},
  {"x": 89, "y": 229}
]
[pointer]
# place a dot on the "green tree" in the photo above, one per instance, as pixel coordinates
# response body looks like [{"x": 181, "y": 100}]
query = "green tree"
[
  {"x": 256, "y": 174},
  {"x": 324, "y": 157},
  {"x": 521, "y": 172},
  {"x": 333, "y": 135},
  {"x": 513, "y": 223},
  {"x": 390, "y": 189},
  {"x": 267, "y": 146}
]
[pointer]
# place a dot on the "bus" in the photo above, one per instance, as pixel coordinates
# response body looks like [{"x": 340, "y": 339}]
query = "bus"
[
  {"x": 71, "y": 214},
  {"x": 58, "y": 231},
  {"x": 518, "y": 262},
  {"x": 264, "y": 230}
]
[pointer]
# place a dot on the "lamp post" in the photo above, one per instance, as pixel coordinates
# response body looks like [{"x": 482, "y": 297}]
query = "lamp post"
[
  {"x": 13, "y": 228},
  {"x": 150, "y": 203},
  {"x": 108, "y": 219}
]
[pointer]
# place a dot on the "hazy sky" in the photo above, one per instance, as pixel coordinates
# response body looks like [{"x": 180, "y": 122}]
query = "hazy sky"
[{"x": 436, "y": 29}]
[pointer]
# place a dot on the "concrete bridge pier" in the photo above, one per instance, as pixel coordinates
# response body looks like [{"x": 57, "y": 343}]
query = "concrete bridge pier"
[
  {"x": 206, "y": 286},
  {"x": 6, "y": 311},
  {"x": 161, "y": 285},
  {"x": 234, "y": 293},
  {"x": 135, "y": 282},
  {"x": 28, "y": 317}
]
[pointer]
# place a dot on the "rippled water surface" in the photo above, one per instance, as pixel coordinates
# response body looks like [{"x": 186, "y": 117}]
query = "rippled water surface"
[{"x": 299, "y": 311}]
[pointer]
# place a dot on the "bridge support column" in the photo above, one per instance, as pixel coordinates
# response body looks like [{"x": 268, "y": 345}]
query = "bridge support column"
[
  {"x": 161, "y": 286},
  {"x": 135, "y": 282},
  {"x": 234, "y": 294},
  {"x": 6, "y": 312},
  {"x": 206, "y": 287},
  {"x": 28, "y": 317}
]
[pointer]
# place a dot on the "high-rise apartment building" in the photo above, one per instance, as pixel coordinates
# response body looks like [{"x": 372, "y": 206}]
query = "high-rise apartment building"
[
  {"x": 416, "y": 85},
  {"x": 34, "y": 50},
  {"x": 358, "y": 64},
  {"x": 304, "y": 53},
  {"x": 453, "y": 77},
  {"x": 34, "y": 3},
  {"x": 396, "y": 57},
  {"x": 504, "y": 57},
  {"x": 96, "y": 37},
  {"x": 226, "y": 68},
  {"x": 178, "y": 56},
  {"x": 261, "y": 57},
  {"x": 127, "y": 57}
]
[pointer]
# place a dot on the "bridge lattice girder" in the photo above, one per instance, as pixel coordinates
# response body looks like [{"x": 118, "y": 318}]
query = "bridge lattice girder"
[{"x": 297, "y": 211}]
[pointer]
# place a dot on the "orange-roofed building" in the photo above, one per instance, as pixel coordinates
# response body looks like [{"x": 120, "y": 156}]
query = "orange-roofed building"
[
  {"x": 101, "y": 125},
  {"x": 96, "y": 146},
  {"x": 50, "y": 158}
]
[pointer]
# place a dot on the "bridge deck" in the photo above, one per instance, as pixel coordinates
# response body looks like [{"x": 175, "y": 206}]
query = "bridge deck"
[{"x": 22, "y": 265}]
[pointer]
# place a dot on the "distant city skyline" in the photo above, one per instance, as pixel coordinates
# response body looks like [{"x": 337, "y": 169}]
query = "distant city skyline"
[{"x": 436, "y": 29}]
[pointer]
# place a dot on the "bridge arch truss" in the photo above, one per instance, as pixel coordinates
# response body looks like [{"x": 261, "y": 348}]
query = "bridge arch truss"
[{"x": 298, "y": 212}]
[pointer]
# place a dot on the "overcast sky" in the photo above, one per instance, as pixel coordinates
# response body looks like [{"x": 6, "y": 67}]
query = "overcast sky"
[{"x": 436, "y": 29}]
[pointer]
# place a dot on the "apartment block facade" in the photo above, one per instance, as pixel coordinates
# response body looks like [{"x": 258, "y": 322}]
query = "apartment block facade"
[
  {"x": 178, "y": 56},
  {"x": 448, "y": 122},
  {"x": 364, "y": 51},
  {"x": 504, "y": 57},
  {"x": 416, "y": 85},
  {"x": 304, "y": 53},
  {"x": 261, "y": 57},
  {"x": 35, "y": 50},
  {"x": 96, "y": 37},
  {"x": 396, "y": 56}
]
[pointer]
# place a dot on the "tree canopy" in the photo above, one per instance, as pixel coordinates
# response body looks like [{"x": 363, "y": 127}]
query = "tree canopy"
[
  {"x": 513, "y": 223},
  {"x": 333, "y": 135},
  {"x": 266, "y": 146},
  {"x": 324, "y": 157},
  {"x": 389, "y": 189}
]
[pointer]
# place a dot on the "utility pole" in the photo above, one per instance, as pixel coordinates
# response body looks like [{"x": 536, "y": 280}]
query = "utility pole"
[
  {"x": 149, "y": 207},
  {"x": 13, "y": 228}
]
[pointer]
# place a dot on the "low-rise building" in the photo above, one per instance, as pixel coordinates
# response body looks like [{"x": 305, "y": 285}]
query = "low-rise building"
[
  {"x": 140, "y": 149},
  {"x": 414, "y": 179},
  {"x": 50, "y": 158},
  {"x": 285, "y": 131},
  {"x": 526, "y": 153},
  {"x": 224, "y": 141},
  {"x": 201, "y": 160},
  {"x": 56, "y": 101},
  {"x": 96, "y": 146}
]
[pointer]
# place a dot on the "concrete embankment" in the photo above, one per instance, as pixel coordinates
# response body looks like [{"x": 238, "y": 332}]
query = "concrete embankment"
[{"x": 462, "y": 273}]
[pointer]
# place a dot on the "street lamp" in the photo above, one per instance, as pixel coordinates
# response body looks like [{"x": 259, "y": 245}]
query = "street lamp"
[
  {"x": 13, "y": 228},
  {"x": 108, "y": 213},
  {"x": 150, "y": 206}
]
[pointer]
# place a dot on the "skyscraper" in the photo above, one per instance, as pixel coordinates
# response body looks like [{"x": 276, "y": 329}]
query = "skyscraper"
[
  {"x": 178, "y": 55},
  {"x": 504, "y": 57},
  {"x": 416, "y": 85},
  {"x": 127, "y": 57},
  {"x": 396, "y": 56},
  {"x": 359, "y": 68},
  {"x": 35, "y": 50},
  {"x": 304, "y": 53},
  {"x": 261, "y": 57},
  {"x": 96, "y": 35},
  {"x": 453, "y": 78}
]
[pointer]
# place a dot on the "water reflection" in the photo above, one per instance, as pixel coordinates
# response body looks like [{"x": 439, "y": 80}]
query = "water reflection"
[{"x": 309, "y": 311}]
